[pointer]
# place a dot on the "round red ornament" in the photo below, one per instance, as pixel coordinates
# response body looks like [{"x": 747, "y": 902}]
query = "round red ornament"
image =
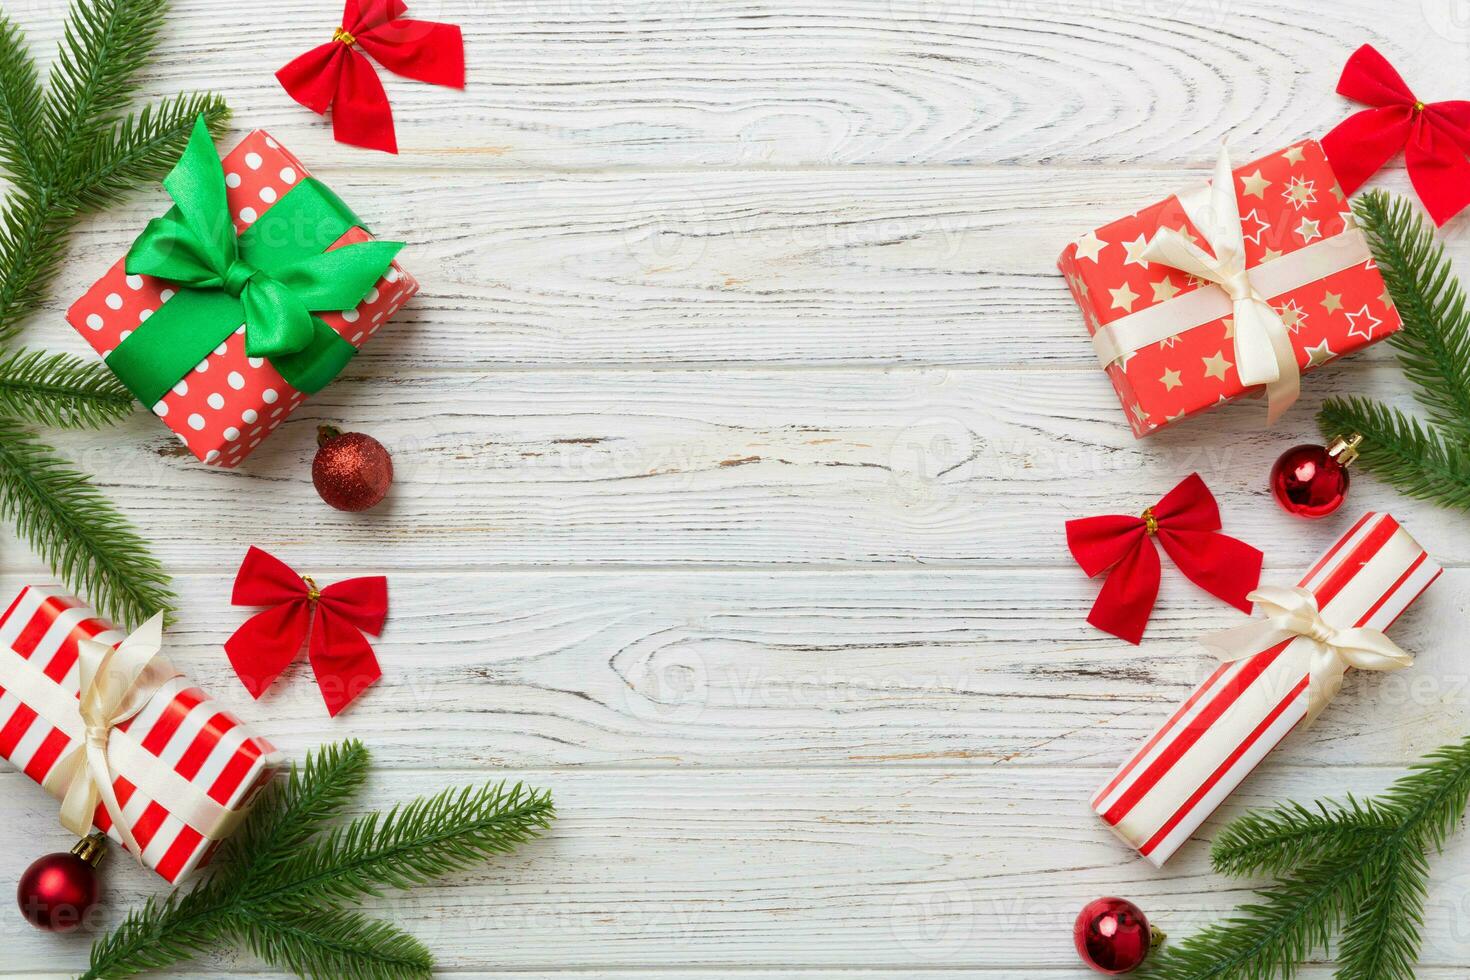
[
  {"x": 1312, "y": 481},
  {"x": 1113, "y": 935},
  {"x": 351, "y": 471},
  {"x": 57, "y": 891}
]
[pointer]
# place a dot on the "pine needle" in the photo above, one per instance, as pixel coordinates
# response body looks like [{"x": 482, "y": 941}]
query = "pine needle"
[
  {"x": 332, "y": 944},
  {"x": 1413, "y": 457},
  {"x": 62, "y": 516},
  {"x": 60, "y": 390},
  {"x": 68, "y": 150},
  {"x": 283, "y": 886},
  {"x": 22, "y": 108},
  {"x": 1426, "y": 460},
  {"x": 1434, "y": 346},
  {"x": 1358, "y": 867}
]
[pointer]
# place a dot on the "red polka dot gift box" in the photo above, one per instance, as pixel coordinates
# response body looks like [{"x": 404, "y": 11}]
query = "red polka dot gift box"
[
  {"x": 1239, "y": 285},
  {"x": 183, "y": 345}
]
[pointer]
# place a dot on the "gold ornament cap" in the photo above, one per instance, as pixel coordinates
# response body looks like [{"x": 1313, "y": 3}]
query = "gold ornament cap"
[
  {"x": 92, "y": 849},
  {"x": 1344, "y": 449}
]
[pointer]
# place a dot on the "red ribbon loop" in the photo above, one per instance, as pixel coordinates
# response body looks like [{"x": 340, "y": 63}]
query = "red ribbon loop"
[
  {"x": 1435, "y": 136},
  {"x": 268, "y": 642},
  {"x": 1186, "y": 522},
  {"x": 337, "y": 75}
]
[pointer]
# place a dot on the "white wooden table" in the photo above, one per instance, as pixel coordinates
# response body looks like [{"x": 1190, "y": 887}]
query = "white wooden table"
[{"x": 735, "y": 428}]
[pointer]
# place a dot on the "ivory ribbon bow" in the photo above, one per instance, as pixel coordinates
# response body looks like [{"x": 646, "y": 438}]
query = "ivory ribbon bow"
[
  {"x": 115, "y": 685},
  {"x": 336, "y": 75},
  {"x": 1435, "y": 136},
  {"x": 1263, "y": 351},
  {"x": 1292, "y": 613},
  {"x": 1187, "y": 523},
  {"x": 335, "y": 617}
]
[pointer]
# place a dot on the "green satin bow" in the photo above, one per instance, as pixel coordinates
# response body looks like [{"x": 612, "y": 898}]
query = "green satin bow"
[{"x": 270, "y": 278}]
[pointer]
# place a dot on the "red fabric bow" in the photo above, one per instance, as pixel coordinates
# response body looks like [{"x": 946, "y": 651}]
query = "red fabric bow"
[
  {"x": 338, "y": 75},
  {"x": 269, "y": 641},
  {"x": 1187, "y": 523},
  {"x": 1435, "y": 137}
]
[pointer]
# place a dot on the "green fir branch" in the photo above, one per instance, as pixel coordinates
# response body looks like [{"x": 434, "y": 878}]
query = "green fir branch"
[
  {"x": 33, "y": 230},
  {"x": 1368, "y": 879},
  {"x": 22, "y": 109},
  {"x": 1382, "y": 938},
  {"x": 284, "y": 886},
  {"x": 293, "y": 809},
  {"x": 68, "y": 150},
  {"x": 1415, "y": 458},
  {"x": 1276, "y": 841},
  {"x": 61, "y": 390},
  {"x": 1434, "y": 345},
  {"x": 106, "y": 45},
  {"x": 332, "y": 944},
  {"x": 408, "y": 846},
  {"x": 1427, "y": 460},
  {"x": 61, "y": 515},
  {"x": 140, "y": 149}
]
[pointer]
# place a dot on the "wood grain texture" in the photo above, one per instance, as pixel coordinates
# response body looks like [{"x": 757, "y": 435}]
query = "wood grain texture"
[
  {"x": 901, "y": 468},
  {"x": 844, "y": 868},
  {"x": 859, "y": 266},
  {"x": 673, "y": 669},
  {"x": 595, "y": 84},
  {"x": 735, "y": 428}
]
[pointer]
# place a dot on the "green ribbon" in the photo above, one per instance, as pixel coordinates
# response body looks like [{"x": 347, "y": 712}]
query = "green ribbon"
[{"x": 272, "y": 278}]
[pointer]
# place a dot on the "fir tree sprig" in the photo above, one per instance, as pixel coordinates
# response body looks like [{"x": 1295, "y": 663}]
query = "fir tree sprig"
[
  {"x": 1430, "y": 460},
  {"x": 1359, "y": 868},
  {"x": 1415, "y": 457},
  {"x": 284, "y": 885},
  {"x": 59, "y": 513},
  {"x": 61, "y": 390},
  {"x": 70, "y": 148}
]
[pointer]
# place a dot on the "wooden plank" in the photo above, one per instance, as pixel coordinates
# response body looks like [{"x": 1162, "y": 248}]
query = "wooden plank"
[
  {"x": 907, "y": 468},
  {"x": 673, "y": 669},
  {"x": 853, "y": 266},
  {"x": 782, "y": 870},
  {"x": 603, "y": 83}
]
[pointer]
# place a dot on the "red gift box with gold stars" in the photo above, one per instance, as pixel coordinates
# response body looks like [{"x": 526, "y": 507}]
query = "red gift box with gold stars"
[{"x": 1303, "y": 256}]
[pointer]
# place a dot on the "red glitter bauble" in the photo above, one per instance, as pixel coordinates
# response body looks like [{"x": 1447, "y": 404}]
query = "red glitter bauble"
[
  {"x": 351, "y": 471},
  {"x": 57, "y": 891},
  {"x": 1312, "y": 481},
  {"x": 1113, "y": 935}
]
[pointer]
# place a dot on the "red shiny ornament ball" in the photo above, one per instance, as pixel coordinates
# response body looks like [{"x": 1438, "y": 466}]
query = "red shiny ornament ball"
[
  {"x": 1112, "y": 935},
  {"x": 57, "y": 891},
  {"x": 1309, "y": 481},
  {"x": 351, "y": 471}
]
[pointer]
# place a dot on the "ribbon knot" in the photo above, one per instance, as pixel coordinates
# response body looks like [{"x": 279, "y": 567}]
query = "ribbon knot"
[
  {"x": 338, "y": 76},
  {"x": 237, "y": 277},
  {"x": 1320, "y": 632},
  {"x": 1293, "y": 614},
  {"x": 1263, "y": 351},
  {"x": 275, "y": 288},
  {"x": 1238, "y": 287},
  {"x": 1186, "y": 523},
  {"x": 1435, "y": 136},
  {"x": 335, "y": 618},
  {"x": 114, "y": 685}
]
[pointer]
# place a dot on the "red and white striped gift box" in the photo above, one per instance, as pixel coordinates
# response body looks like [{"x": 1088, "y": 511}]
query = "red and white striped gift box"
[
  {"x": 1227, "y": 726},
  {"x": 180, "y": 726}
]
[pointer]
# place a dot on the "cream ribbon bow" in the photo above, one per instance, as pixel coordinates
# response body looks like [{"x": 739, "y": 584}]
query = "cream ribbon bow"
[
  {"x": 1293, "y": 613},
  {"x": 1263, "y": 351},
  {"x": 115, "y": 685}
]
